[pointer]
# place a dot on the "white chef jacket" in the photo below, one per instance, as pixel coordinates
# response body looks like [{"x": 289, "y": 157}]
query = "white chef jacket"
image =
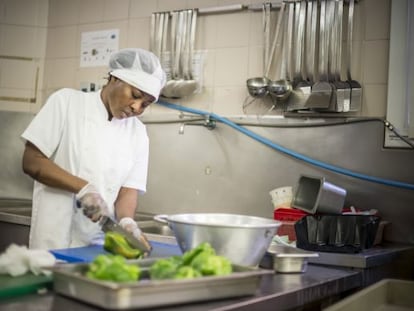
[{"x": 73, "y": 130}]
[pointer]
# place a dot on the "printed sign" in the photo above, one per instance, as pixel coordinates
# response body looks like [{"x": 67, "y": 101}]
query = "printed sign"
[{"x": 97, "y": 46}]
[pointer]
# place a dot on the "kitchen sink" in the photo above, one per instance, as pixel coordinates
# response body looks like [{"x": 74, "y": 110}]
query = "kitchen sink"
[
  {"x": 154, "y": 228},
  {"x": 156, "y": 231}
]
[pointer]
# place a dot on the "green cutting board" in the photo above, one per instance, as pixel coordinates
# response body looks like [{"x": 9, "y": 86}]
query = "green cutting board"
[{"x": 25, "y": 284}]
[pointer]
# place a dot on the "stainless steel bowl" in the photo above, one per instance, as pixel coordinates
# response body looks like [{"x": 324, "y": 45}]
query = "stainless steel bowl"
[
  {"x": 280, "y": 89},
  {"x": 257, "y": 87},
  {"x": 242, "y": 239}
]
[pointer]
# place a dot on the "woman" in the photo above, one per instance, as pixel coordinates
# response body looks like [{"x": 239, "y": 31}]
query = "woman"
[{"x": 90, "y": 150}]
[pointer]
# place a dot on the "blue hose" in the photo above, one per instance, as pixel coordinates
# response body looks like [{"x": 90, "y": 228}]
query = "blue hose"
[{"x": 282, "y": 149}]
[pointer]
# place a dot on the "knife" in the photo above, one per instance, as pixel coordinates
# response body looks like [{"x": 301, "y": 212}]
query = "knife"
[{"x": 107, "y": 224}]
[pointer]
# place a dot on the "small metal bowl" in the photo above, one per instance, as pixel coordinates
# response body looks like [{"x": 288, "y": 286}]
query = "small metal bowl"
[
  {"x": 258, "y": 87},
  {"x": 280, "y": 89}
]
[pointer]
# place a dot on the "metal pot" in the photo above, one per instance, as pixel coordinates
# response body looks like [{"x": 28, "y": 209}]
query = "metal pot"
[{"x": 242, "y": 239}]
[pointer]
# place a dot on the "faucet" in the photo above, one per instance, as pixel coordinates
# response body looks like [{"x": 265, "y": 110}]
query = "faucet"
[{"x": 208, "y": 123}]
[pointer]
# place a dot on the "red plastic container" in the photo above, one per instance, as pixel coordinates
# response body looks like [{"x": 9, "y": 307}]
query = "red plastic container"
[
  {"x": 288, "y": 214},
  {"x": 287, "y": 228},
  {"x": 288, "y": 217}
]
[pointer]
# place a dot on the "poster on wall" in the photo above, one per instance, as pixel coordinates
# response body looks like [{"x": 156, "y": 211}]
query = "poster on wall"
[{"x": 97, "y": 46}]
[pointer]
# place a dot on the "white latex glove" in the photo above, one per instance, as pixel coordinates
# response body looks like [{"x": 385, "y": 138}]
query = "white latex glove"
[
  {"x": 131, "y": 226},
  {"x": 91, "y": 202}
]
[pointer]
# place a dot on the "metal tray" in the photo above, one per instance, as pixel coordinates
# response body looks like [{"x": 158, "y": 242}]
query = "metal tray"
[{"x": 69, "y": 280}]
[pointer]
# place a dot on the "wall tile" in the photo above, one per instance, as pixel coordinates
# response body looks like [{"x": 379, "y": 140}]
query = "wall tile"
[
  {"x": 233, "y": 30},
  {"x": 139, "y": 33},
  {"x": 231, "y": 67},
  {"x": 206, "y": 34},
  {"x": 229, "y": 100},
  {"x": 203, "y": 100},
  {"x": 14, "y": 106},
  {"x": 22, "y": 41},
  {"x": 203, "y": 3},
  {"x": 116, "y": 10},
  {"x": 142, "y": 8},
  {"x": 255, "y": 33},
  {"x": 375, "y": 61},
  {"x": 91, "y": 11},
  {"x": 358, "y": 58},
  {"x": 229, "y": 2},
  {"x": 26, "y": 12},
  {"x": 18, "y": 74},
  {"x": 62, "y": 42},
  {"x": 169, "y": 5},
  {"x": 374, "y": 100},
  {"x": 209, "y": 68},
  {"x": 377, "y": 22},
  {"x": 255, "y": 62},
  {"x": 360, "y": 13},
  {"x": 61, "y": 73},
  {"x": 63, "y": 12},
  {"x": 158, "y": 110},
  {"x": 23, "y": 94},
  {"x": 2, "y": 11}
]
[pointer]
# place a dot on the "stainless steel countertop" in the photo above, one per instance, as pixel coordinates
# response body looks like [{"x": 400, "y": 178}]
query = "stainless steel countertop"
[
  {"x": 286, "y": 291},
  {"x": 372, "y": 257}
]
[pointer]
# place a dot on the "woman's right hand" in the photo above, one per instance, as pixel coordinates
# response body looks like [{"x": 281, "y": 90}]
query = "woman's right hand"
[{"x": 91, "y": 202}]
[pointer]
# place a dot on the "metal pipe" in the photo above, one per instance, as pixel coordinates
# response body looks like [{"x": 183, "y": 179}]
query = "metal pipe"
[
  {"x": 240, "y": 7},
  {"x": 221, "y": 9}
]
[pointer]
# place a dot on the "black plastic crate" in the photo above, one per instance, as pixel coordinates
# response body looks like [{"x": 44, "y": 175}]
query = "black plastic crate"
[{"x": 336, "y": 233}]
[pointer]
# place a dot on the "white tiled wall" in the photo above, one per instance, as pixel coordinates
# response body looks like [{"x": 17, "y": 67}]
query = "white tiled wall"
[
  {"x": 23, "y": 36},
  {"x": 51, "y": 31}
]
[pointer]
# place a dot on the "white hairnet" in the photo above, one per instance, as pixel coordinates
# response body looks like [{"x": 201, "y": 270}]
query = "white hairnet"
[{"x": 139, "y": 68}]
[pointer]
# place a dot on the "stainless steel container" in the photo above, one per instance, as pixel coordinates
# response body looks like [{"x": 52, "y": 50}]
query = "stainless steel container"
[
  {"x": 242, "y": 239},
  {"x": 286, "y": 259},
  {"x": 316, "y": 195}
]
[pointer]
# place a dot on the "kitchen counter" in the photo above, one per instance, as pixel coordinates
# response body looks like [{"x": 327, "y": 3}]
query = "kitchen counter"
[
  {"x": 323, "y": 283},
  {"x": 286, "y": 291}
]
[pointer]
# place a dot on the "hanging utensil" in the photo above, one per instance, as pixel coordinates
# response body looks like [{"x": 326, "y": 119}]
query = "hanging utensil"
[
  {"x": 279, "y": 89},
  {"x": 321, "y": 91},
  {"x": 172, "y": 87},
  {"x": 356, "y": 88},
  {"x": 331, "y": 50},
  {"x": 152, "y": 32},
  {"x": 257, "y": 87},
  {"x": 276, "y": 39},
  {"x": 168, "y": 89},
  {"x": 301, "y": 87},
  {"x": 312, "y": 16},
  {"x": 343, "y": 89},
  {"x": 189, "y": 85}
]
